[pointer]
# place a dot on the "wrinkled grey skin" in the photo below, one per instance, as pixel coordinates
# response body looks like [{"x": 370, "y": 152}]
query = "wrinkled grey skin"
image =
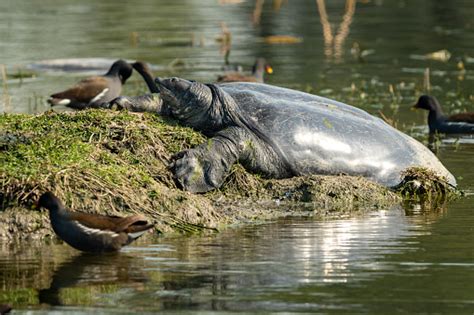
[{"x": 280, "y": 133}]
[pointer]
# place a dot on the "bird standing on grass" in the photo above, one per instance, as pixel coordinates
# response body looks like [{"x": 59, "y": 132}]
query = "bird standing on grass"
[{"x": 95, "y": 91}]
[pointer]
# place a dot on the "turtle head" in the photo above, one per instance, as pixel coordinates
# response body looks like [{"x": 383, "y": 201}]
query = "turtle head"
[{"x": 188, "y": 101}]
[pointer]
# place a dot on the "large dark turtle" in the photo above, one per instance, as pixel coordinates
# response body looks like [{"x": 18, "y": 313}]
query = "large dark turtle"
[{"x": 278, "y": 132}]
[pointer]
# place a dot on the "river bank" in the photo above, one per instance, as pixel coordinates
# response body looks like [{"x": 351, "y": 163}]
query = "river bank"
[{"x": 115, "y": 163}]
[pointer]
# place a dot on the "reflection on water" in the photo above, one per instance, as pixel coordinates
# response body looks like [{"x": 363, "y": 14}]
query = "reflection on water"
[
  {"x": 88, "y": 270},
  {"x": 333, "y": 44},
  {"x": 412, "y": 260}
]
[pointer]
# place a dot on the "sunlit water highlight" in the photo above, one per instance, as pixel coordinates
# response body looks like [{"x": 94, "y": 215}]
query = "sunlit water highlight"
[{"x": 368, "y": 264}]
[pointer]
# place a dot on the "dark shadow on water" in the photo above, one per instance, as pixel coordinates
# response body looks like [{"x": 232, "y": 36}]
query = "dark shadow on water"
[{"x": 88, "y": 269}]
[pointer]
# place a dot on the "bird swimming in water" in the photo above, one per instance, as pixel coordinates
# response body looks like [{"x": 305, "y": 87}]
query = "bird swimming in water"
[
  {"x": 439, "y": 122},
  {"x": 259, "y": 69}
]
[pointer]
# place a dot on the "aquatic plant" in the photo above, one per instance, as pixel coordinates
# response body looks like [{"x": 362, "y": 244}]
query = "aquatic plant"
[{"x": 423, "y": 184}]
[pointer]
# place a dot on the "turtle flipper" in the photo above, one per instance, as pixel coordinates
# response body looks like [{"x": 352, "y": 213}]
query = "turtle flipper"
[
  {"x": 196, "y": 174},
  {"x": 204, "y": 168}
]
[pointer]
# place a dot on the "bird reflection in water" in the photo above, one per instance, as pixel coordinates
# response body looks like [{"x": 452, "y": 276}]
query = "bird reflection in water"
[{"x": 92, "y": 270}]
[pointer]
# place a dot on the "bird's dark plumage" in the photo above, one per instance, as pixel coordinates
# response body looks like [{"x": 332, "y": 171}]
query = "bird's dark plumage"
[
  {"x": 92, "y": 232},
  {"x": 94, "y": 91},
  {"x": 259, "y": 69},
  {"x": 145, "y": 72},
  {"x": 5, "y": 309},
  {"x": 438, "y": 122}
]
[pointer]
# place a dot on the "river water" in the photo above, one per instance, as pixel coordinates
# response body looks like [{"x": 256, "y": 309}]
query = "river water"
[{"x": 372, "y": 54}]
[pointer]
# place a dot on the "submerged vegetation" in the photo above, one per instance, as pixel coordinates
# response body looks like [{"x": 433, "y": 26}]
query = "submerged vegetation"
[
  {"x": 117, "y": 162},
  {"x": 423, "y": 185}
]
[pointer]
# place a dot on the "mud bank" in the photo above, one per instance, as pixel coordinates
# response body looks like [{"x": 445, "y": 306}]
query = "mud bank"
[{"x": 116, "y": 163}]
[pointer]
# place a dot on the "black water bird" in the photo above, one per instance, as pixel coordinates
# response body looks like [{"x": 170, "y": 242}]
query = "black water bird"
[
  {"x": 144, "y": 70},
  {"x": 92, "y": 232},
  {"x": 439, "y": 122},
  {"x": 5, "y": 309},
  {"x": 95, "y": 91}
]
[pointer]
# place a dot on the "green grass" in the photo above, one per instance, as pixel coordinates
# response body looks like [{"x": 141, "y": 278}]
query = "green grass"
[{"x": 80, "y": 156}]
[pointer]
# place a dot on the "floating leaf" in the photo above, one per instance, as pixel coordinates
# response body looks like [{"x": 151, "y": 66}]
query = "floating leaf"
[
  {"x": 283, "y": 39},
  {"x": 440, "y": 55},
  {"x": 223, "y": 2},
  {"x": 469, "y": 59}
]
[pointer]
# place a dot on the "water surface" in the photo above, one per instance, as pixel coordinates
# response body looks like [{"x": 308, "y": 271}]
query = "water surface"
[
  {"x": 401, "y": 260},
  {"x": 389, "y": 261}
]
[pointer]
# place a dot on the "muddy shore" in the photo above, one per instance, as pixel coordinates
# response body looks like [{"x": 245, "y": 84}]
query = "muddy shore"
[{"x": 116, "y": 163}]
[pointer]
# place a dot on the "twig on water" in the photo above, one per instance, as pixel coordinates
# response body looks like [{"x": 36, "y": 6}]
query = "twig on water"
[
  {"x": 6, "y": 97},
  {"x": 426, "y": 81}
]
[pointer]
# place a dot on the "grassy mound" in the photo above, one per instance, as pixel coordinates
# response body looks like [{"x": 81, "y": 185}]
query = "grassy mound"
[
  {"x": 116, "y": 163},
  {"x": 98, "y": 161}
]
